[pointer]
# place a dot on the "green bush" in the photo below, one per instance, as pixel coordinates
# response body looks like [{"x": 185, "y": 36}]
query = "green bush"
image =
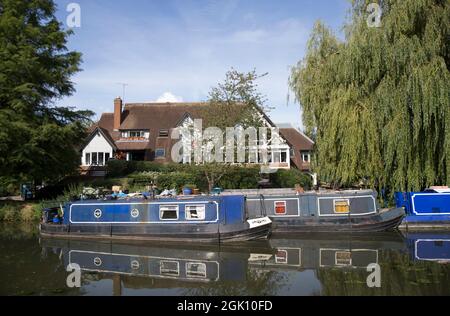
[
  {"x": 8, "y": 213},
  {"x": 289, "y": 178},
  {"x": 175, "y": 180},
  {"x": 240, "y": 178}
]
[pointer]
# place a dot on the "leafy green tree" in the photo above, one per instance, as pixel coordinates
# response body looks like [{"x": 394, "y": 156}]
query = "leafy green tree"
[
  {"x": 38, "y": 140},
  {"x": 378, "y": 103},
  {"x": 236, "y": 101}
]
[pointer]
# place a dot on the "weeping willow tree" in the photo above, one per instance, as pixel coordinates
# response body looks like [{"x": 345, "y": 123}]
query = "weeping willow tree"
[{"x": 378, "y": 103}]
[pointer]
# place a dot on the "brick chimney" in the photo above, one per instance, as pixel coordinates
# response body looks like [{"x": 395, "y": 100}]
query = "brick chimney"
[{"x": 117, "y": 113}]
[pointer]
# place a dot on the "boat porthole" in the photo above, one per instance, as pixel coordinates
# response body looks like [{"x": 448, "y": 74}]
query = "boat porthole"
[
  {"x": 135, "y": 264},
  {"x": 98, "y": 213},
  {"x": 97, "y": 261},
  {"x": 134, "y": 213}
]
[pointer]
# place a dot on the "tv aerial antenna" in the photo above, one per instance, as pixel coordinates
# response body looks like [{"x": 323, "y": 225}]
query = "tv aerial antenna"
[{"x": 124, "y": 86}]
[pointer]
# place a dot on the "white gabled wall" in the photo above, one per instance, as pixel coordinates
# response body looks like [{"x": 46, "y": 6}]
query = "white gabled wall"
[{"x": 98, "y": 144}]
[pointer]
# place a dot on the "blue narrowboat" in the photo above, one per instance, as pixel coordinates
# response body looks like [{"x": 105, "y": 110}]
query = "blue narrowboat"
[
  {"x": 425, "y": 210},
  {"x": 198, "y": 219},
  {"x": 321, "y": 211}
]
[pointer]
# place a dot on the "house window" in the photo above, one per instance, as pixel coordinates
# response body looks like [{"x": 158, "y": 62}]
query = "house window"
[
  {"x": 283, "y": 156},
  {"x": 195, "y": 212},
  {"x": 107, "y": 156},
  {"x": 101, "y": 157},
  {"x": 342, "y": 206},
  {"x": 160, "y": 153},
  {"x": 168, "y": 212},
  {"x": 94, "y": 159},
  {"x": 292, "y": 152},
  {"x": 134, "y": 134},
  {"x": 164, "y": 133},
  {"x": 306, "y": 156},
  {"x": 88, "y": 159}
]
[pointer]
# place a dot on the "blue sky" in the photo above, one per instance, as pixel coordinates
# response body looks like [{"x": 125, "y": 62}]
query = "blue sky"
[{"x": 179, "y": 49}]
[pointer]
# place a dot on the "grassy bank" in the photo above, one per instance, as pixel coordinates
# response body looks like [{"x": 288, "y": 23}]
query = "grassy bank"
[{"x": 20, "y": 212}]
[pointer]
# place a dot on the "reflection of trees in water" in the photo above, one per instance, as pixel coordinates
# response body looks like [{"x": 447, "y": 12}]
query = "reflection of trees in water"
[
  {"x": 19, "y": 231},
  {"x": 399, "y": 276},
  {"x": 257, "y": 283}
]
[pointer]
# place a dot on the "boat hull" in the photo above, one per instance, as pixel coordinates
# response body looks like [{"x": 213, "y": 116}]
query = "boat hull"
[{"x": 383, "y": 221}]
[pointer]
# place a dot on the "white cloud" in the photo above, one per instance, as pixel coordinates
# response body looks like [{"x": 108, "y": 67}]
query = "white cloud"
[{"x": 169, "y": 97}]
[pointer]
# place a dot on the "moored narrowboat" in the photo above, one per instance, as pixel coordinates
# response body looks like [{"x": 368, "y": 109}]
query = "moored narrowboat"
[
  {"x": 188, "y": 219},
  {"x": 428, "y": 210},
  {"x": 323, "y": 211}
]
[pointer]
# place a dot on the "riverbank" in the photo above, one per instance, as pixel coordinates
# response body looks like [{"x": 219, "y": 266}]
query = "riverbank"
[{"x": 19, "y": 211}]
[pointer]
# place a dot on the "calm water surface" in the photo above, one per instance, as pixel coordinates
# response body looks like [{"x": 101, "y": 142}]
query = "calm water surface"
[{"x": 319, "y": 264}]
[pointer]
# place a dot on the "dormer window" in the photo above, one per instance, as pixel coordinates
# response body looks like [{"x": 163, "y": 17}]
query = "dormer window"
[
  {"x": 164, "y": 133},
  {"x": 135, "y": 134}
]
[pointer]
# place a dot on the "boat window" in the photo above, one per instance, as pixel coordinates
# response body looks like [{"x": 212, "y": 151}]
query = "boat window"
[
  {"x": 342, "y": 206},
  {"x": 168, "y": 212},
  {"x": 169, "y": 268},
  {"x": 280, "y": 207},
  {"x": 196, "y": 270},
  {"x": 343, "y": 258},
  {"x": 195, "y": 212},
  {"x": 281, "y": 257}
]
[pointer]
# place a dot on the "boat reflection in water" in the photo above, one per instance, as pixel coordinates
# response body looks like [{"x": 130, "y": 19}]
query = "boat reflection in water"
[
  {"x": 432, "y": 246},
  {"x": 317, "y": 251},
  {"x": 309, "y": 264}
]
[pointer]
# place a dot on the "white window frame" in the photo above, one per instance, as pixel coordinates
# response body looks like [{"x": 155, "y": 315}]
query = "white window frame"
[
  {"x": 196, "y": 276},
  {"x": 163, "y": 149},
  {"x": 275, "y": 207},
  {"x": 306, "y": 154},
  {"x": 164, "y": 208},
  {"x": 341, "y": 200},
  {"x": 189, "y": 208},
  {"x": 347, "y": 264},
  {"x": 164, "y": 131},
  {"x": 167, "y": 273},
  {"x": 285, "y": 259}
]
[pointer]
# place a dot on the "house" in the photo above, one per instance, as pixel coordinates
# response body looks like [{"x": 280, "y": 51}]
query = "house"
[
  {"x": 142, "y": 132},
  {"x": 301, "y": 147}
]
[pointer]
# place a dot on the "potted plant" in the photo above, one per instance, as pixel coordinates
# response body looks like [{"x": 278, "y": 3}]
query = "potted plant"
[{"x": 189, "y": 189}]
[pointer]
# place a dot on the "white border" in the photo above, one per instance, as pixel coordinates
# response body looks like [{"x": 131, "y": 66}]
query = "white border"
[
  {"x": 280, "y": 200},
  {"x": 428, "y": 240},
  {"x": 157, "y": 222},
  {"x": 196, "y": 277},
  {"x": 342, "y": 250},
  {"x": 169, "y": 210},
  {"x": 343, "y": 198},
  {"x": 426, "y": 194},
  {"x": 193, "y": 219},
  {"x": 275, "y": 207},
  {"x": 148, "y": 257},
  {"x": 161, "y": 262},
  {"x": 339, "y": 200}
]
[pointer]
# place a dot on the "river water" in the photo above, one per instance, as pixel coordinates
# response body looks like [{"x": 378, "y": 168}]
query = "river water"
[{"x": 308, "y": 264}]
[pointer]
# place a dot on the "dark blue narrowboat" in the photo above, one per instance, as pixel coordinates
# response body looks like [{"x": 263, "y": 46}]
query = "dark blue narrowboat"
[
  {"x": 196, "y": 219},
  {"x": 321, "y": 211},
  {"x": 425, "y": 210}
]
